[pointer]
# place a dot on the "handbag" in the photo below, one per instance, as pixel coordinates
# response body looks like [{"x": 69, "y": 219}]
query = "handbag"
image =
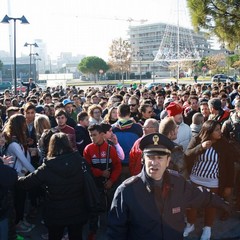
[{"x": 90, "y": 190}]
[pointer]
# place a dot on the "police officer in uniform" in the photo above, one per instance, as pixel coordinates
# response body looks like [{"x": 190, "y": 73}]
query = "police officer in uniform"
[{"x": 152, "y": 204}]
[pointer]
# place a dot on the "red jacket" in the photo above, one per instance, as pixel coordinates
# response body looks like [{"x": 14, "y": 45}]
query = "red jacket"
[
  {"x": 135, "y": 157},
  {"x": 96, "y": 157}
]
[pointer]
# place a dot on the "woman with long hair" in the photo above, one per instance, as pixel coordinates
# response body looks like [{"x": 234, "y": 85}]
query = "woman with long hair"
[
  {"x": 42, "y": 125},
  {"x": 16, "y": 139},
  {"x": 41, "y": 122},
  {"x": 210, "y": 163},
  {"x": 111, "y": 116},
  {"x": 62, "y": 176}
]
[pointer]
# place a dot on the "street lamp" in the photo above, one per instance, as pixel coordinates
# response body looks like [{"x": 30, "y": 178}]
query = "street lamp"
[
  {"x": 30, "y": 56},
  {"x": 140, "y": 54},
  {"x": 153, "y": 66},
  {"x": 23, "y": 20},
  {"x": 35, "y": 59}
]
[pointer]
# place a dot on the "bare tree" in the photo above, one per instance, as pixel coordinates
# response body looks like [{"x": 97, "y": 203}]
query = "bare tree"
[
  {"x": 216, "y": 62},
  {"x": 120, "y": 56}
]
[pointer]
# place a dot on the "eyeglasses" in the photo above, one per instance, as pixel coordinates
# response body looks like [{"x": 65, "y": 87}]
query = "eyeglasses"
[
  {"x": 96, "y": 112},
  {"x": 132, "y": 105}
]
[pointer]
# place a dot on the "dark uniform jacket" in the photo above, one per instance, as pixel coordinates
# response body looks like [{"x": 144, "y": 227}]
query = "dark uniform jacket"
[
  {"x": 142, "y": 210},
  {"x": 63, "y": 179}
]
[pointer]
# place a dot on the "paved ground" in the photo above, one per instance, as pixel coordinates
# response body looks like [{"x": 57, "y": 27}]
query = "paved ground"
[{"x": 222, "y": 230}]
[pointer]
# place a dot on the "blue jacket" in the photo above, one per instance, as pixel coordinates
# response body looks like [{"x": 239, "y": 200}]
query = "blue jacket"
[{"x": 127, "y": 133}]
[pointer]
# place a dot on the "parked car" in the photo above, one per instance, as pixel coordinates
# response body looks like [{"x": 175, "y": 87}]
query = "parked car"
[
  {"x": 222, "y": 78},
  {"x": 5, "y": 85}
]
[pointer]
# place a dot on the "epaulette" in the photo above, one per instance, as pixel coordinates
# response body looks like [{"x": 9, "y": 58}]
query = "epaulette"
[
  {"x": 173, "y": 172},
  {"x": 131, "y": 180}
]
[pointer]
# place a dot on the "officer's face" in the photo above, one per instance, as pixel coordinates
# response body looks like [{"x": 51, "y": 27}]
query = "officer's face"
[{"x": 156, "y": 165}]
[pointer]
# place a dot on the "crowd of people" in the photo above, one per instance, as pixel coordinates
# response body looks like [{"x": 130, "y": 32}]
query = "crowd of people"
[{"x": 140, "y": 145}]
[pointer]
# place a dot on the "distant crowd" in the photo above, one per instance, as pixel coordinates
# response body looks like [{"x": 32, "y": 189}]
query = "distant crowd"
[{"x": 104, "y": 126}]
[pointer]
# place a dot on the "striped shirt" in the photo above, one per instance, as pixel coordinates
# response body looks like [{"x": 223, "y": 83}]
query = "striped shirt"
[{"x": 206, "y": 169}]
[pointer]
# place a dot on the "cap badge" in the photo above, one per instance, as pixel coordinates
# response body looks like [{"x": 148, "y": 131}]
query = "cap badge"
[{"x": 155, "y": 139}]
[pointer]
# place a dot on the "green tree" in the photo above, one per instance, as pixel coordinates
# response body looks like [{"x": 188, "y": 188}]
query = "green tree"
[
  {"x": 236, "y": 66},
  {"x": 92, "y": 65},
  {"x": 232, "y": 59},
  {"x": 219, "y": 17}
]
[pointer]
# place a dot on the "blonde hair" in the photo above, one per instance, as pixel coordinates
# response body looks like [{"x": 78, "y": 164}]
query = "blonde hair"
[{"x": 41, "y": 123}]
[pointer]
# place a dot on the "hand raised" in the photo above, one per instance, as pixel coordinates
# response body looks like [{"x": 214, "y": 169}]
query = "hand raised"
[{"x": 207, "y": 144}]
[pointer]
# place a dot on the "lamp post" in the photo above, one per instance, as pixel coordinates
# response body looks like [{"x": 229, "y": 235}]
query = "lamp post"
[
  {"x": 30, "y": 56},
  {"x": 37, "y": 67},
  {"x": 23, "y": 20},
  {"x": 34, "y": 64},
  {"x": 140, "y": 54},
  {"x": 153, "y": 66}
]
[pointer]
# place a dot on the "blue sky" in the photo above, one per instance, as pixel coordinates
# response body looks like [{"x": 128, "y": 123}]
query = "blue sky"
[{"x": 83, "y": 27}]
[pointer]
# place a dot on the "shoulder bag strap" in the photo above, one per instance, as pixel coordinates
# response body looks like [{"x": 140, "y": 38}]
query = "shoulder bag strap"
[{"x": 108, "y": 155}]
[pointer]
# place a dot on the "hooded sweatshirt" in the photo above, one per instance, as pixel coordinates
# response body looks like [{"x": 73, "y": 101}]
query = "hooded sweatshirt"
[{"x": 127, "y": 133}]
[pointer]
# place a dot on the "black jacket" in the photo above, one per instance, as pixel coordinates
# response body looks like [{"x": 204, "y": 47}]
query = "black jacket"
[
  {"x": 8, "y": 178},
  {"x": 142, "y": 210},
  {"x": 63, "y": 179},
  {"x": 29, "y": 86},
  {"x": 82, "y": 138}
]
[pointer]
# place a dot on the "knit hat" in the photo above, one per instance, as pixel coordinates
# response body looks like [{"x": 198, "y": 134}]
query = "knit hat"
[
  {"x": 174, "y": 109},
  {"x": 215, "y": 103}
]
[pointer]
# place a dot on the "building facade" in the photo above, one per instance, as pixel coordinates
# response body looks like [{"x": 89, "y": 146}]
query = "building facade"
[{"x": 146, "y": 39}]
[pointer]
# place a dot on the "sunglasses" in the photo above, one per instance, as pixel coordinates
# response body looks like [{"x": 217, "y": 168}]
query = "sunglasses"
[{"x": 132, "y": 105}]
